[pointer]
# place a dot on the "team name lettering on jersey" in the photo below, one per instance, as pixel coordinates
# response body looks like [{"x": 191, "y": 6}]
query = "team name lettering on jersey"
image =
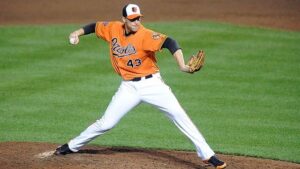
[
  {"x": 132, "y": 56},
  {"x": 121, "y": 51}
]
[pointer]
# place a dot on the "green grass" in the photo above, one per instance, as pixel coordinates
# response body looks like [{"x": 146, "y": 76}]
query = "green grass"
[{"x": 246, "y": 100}]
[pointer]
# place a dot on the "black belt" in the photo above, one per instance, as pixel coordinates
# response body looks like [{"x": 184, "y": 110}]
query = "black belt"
[{"x": 140, "y": 78}]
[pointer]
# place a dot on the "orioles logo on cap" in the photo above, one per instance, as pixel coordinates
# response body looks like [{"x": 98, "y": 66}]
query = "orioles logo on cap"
[{"x": 134, "y": 9}]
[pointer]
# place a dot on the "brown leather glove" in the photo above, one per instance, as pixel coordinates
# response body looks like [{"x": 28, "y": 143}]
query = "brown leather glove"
[{"x": 196, "y": 62}]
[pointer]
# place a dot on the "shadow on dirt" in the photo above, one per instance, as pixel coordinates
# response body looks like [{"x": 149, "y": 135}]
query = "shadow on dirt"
[{"x": 144, "y": 152}]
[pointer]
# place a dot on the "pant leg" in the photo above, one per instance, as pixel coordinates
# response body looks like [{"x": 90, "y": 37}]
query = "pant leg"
[
  {"x": 122, "y": 102},
  {"x": 160, "y": 95}
]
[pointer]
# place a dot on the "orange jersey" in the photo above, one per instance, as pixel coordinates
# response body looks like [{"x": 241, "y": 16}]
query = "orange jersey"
[{"x": 134, "y": 55}]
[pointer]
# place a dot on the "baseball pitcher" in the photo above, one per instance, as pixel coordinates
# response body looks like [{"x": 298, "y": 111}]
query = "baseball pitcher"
[{"x": 132, "y": 55}]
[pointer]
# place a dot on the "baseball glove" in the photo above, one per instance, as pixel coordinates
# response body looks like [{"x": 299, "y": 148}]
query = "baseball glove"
[{"x": 196, "y": 62}]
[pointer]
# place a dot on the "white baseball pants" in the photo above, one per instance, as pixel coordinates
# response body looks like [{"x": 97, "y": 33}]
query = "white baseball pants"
[{"x": 155, "y": 92}]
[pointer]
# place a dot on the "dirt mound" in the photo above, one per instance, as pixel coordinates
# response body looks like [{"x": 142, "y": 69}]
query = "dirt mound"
[{"x": 22, "y": 155}]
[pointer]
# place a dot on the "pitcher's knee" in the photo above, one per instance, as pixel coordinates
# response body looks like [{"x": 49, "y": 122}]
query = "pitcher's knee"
[
  {"x": 104, "y": 125},
  {"x": 175, "y": 113}
]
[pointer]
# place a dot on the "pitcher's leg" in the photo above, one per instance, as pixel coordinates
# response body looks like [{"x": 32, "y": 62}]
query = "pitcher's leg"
[
  {"x": 184, "y": 123},
  {"x": 122, "y": 102},
  {"x": 164, "y": 99}
]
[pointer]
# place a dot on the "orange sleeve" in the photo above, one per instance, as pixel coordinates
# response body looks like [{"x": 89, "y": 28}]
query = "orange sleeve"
[
  {"x": 103, "y": 30},
  {"x": 153, "y": 41}
]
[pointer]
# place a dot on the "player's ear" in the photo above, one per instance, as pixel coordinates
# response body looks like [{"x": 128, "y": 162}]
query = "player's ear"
[{"x": 123, "y": 19}]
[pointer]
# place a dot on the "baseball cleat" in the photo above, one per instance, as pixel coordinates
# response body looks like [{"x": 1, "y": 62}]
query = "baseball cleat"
[
  {"x": 63, "y": 150},
  {"x": 216, "y": 162}
]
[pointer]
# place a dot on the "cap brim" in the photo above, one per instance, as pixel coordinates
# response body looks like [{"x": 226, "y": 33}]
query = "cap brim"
[{"x": 134, "y": 16}]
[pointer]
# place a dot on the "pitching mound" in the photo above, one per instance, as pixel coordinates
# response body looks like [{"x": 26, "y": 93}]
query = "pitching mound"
[{"x": 24, "y": 155}]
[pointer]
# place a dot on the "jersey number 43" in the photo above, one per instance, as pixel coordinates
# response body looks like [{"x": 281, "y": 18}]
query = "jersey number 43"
[{"x": 134, "y": 63}]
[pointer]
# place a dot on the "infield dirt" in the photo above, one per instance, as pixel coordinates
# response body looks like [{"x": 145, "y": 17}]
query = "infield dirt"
[
  {"x": 22, "y": 155},
  {"x": 277, "y": 14}
]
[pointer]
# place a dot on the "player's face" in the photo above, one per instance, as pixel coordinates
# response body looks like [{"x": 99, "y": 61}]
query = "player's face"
[{"x": 132, "y": 25}]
